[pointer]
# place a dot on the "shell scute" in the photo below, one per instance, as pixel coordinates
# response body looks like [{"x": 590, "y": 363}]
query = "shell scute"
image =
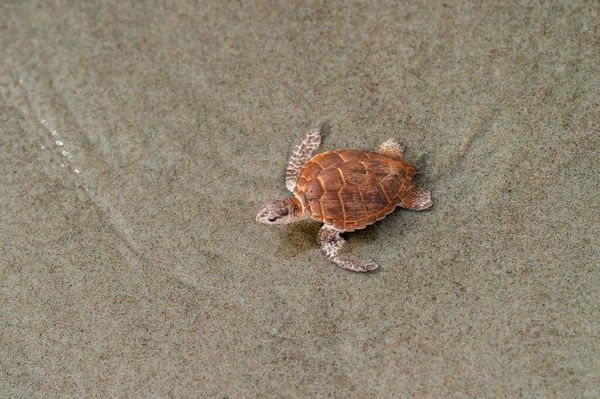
[
  {"x": 353, "y": 172},
  {"x": 301, "y": 181},
  {"x": 328, "y": 159},
  {"x": 392, "y": 184},
  {"x": 381, "y": 214},
  {"x": 311, "y": 170},
  {"x": 374, "y": 197},
  {"x": 332, "y": 206},
  {"x": 351, "y": 225},
  {"x": 331, "y": 179},
  {"x": 353, "y": 203},
  {"x": 327, "y": 220},
  {"x": 352, "y": 155},
  {"x": 409, "y": 172},
  {"x": 315, "y": 208},
  {"x": 370, "y": 219},
  {"x": 313, "y": 189},
  {"x": 377, "y": 169}
]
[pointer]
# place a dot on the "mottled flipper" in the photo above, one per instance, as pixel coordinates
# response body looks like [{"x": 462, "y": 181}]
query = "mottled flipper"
[
  {"x": 391, "y": 149},
  {"x": 416, "y": 198},
  {"x": 304, "y": 150},
  {"x": 331, "y": 245}
]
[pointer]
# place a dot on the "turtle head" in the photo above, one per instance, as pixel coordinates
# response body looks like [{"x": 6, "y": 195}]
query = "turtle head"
[{"x": 280, "y": 212}]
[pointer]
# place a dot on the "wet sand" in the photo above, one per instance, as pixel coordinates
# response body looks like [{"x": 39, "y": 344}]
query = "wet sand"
[{"x": 137, "y": 144}]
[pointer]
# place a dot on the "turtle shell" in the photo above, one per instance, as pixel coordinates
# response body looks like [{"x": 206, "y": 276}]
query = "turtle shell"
[{"x": 351, "y": 189}]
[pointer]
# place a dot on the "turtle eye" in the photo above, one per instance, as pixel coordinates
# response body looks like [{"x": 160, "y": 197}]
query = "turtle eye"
[{"x": 272, "y": 219}]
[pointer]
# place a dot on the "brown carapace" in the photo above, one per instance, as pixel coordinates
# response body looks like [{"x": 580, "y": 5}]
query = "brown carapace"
[
  {"x": 350, "y": 189},
  {"x": 346, "y": 190}
]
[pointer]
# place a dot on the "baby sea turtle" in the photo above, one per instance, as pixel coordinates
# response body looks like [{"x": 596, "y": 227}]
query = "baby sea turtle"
[{"x": 346, "y": 190}]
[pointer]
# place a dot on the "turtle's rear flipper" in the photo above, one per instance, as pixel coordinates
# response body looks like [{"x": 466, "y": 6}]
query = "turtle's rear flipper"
[
  {"x": 391, "y": 148},
  {"x": 416, "y": 198}
]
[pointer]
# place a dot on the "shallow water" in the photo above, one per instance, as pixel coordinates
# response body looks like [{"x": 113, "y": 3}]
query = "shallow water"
[{"x": 138, "y": 144}]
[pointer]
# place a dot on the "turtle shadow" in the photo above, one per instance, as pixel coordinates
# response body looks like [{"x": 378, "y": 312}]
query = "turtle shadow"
[
  {"x": 325, "y": 129},
  {"x": 359, "y": 238},
  {"x": 300, "y": 237}
]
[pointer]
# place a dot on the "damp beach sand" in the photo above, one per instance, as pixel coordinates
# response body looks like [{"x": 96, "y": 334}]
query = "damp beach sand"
[{"x": 138, "y": 142}]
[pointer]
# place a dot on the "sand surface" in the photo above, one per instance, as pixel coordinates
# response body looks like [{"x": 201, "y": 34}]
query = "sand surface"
[{"x": 138, "y": 142}]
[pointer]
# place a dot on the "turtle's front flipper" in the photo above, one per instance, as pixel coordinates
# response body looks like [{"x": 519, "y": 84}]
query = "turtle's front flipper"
[
  {"x": 304, "y": 150},
  {"x": 331, "y": 245}
]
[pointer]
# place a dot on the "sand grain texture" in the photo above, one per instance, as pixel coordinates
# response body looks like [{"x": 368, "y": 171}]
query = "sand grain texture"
[{"x": 137, "y": 143}]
